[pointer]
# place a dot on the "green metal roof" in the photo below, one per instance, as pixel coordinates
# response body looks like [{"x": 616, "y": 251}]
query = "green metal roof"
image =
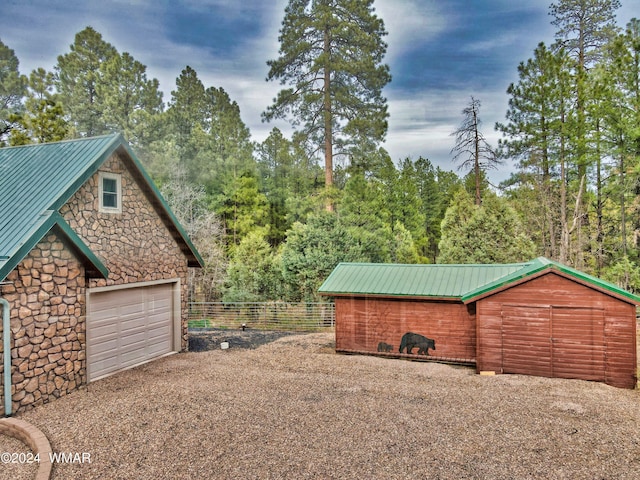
[
  {"x": 540, "y": 265},
  {"x": 466, "y": 283},
  {"x": 37, "y": 180},
  {"x": 442, "y": 281}
]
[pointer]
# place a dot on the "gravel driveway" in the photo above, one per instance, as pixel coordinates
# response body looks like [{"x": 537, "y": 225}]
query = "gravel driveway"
[{"x": 293, "y": 408}]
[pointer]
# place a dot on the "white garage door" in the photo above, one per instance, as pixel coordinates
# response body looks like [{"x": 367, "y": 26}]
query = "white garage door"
[{"x": 127, "y": 327}]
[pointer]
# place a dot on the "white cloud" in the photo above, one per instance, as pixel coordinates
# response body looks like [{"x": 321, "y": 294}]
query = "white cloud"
[
  {"x": 421, "y": 125},
  {"x": 408, "y": 21}
]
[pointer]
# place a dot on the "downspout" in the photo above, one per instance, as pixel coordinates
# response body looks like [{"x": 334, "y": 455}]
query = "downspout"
[{"x": 6, "y": 353}]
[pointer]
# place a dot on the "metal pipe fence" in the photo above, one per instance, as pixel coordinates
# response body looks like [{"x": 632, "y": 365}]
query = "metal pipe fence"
[{"x": 304, "y": 317}]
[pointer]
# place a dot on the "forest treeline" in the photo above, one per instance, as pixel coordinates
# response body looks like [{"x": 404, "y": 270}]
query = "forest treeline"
[{"x": 273, "y": 218}]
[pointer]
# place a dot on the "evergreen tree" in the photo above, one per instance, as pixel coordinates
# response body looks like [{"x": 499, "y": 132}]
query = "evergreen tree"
[
  {"x": 275, "y": 164},
  {"x": 187, "y": 106},
  {"x": 42, "y": 119},
  {"x": 427, "y": 183},
  {"x": 288, "y": 179},
  {"x": 254, "y": 273},
  {"x": 312, "y": 251},
  {"x": 584, "y": 28},
  {"x": 242, "y": 208},
  {"x": 79, "y": 74},
  {"x": 129, "y": 100},
  {"x": 616, "y": 83},
  {"x": 408, "y": 204},
  {"x": 487, "y": 233},
  {"x": 533, "y": 136},
  {"x": 12, "y": 89},
  {"x": 229, "y": 150},
  {"x": 363, "y": 213},
  {"x": 404, "y": 248},
  {"x": 330, "y": 57}
]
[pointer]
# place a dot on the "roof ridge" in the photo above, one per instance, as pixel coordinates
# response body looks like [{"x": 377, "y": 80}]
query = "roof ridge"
[
  {"x": 66, "y": 140},
  {"x": 422, "y": 265}
]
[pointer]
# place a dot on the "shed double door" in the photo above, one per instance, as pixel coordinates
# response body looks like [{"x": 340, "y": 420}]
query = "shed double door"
[{"x": 553, "y": 341}]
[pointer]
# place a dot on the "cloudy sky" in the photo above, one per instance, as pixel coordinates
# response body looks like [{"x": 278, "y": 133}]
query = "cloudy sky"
[{"x": 440, "y": 53}]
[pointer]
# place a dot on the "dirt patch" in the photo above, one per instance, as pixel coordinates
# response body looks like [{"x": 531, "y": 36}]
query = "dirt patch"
[{"x": 211, "y": 339}]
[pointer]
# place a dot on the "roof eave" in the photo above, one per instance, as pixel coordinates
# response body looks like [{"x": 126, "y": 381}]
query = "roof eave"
[
  {"x": 94, "y": 268},
  {"x": 50, "y": 219},
  {"x": 438, "y": 298}
]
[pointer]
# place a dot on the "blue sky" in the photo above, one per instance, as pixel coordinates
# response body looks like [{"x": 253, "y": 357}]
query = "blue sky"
[{"x": 440, "y": 53}]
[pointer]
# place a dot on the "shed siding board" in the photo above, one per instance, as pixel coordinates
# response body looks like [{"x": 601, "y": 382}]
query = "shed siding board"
[
  {"x": 362, "y": 323},
  {"x": 594, "y": 333},
  {"x": 525, "y": 340},
  {"x": 620, "y": 332}
]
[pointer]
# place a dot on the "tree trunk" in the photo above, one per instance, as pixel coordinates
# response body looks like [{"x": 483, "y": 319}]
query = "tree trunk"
[
  {"x": 328, "y": 127},
  {"x": 477, "y": 157},
  {"x": 564, "y": 228},
  {"x": 623, "y": 208}
]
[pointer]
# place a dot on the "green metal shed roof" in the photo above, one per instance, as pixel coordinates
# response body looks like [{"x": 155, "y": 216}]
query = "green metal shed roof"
[
  {"x": 466, "y": 283},
  {"x": 37, "y": 180},
  {"x": 540, "y": 265},
  {"x": 442, "y": 281}
]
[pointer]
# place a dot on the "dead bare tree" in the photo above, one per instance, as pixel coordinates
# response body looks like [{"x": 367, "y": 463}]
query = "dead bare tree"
[{"x": 472, "y": 148}]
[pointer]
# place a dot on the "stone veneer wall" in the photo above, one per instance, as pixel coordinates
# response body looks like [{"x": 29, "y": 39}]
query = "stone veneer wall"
[
  {"x": 136, "y": 245},
  {"x": 47, "y": 290},
  {"x": 46, "y": 293}
]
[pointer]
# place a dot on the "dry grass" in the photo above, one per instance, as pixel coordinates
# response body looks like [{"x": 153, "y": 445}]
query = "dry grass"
[{"x": 295, "y": 409}]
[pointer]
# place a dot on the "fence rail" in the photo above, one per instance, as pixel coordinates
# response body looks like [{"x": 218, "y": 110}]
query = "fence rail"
[{"x": 262, "y": 315}]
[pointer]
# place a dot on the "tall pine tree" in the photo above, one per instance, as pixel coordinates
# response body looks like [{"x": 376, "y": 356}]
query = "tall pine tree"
[{"x": 330, "y": 61}]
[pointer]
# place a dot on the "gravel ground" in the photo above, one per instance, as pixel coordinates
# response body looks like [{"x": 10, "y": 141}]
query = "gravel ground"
[
  {"x": 16, "y": 468},
  {"x": 293, "y": 408}
]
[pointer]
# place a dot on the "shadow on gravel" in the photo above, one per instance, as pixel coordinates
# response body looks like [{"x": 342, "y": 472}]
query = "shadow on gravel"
[{"x": 210, "y": 339}]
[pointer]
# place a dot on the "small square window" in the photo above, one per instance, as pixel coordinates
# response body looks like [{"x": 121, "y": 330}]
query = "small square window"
[{"x": 110, "y": 193}]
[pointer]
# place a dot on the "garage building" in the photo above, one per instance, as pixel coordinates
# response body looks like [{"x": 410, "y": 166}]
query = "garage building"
[
  {"x": 534, "y": 318},
  {"x": 93, "y": 268}
]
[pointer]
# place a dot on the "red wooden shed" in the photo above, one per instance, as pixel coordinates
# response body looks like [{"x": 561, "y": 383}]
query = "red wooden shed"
[{"x": 535, "y": 318}]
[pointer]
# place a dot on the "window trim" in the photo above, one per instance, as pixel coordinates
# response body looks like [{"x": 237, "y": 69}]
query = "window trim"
[{"x": 110, "y": 176}]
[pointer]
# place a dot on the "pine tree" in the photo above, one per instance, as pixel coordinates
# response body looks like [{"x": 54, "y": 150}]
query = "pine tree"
[
  {"x": 187, "y": 107},
  {"x": 78, "y": 74},
  {"x": 584, "y": 28},
  {"x": 312, "y": 251},
  {"x": 129, "y": 100},
  {"x": 330, "y": 59},
  {"x": 487, "y": 233},
  {"x": 534, "y": 135},
  {"x": 12, "y": 89},
  {"x": 364, "y": 213},
  {"x": 42, "y": 119},
  {"x": 472, "y": 148}
]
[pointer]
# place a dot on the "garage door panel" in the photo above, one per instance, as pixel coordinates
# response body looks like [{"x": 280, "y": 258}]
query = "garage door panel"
[
  {"x": 127, "y": 327},
  {"x": 102, "y": 349}
]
